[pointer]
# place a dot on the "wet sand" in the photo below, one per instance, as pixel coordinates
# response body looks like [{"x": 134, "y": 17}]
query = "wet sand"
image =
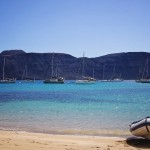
[{"x": 18, "y": 140}]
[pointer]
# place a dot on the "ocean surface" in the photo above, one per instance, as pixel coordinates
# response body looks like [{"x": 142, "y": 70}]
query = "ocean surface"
[{"x": 104, "y": 108}]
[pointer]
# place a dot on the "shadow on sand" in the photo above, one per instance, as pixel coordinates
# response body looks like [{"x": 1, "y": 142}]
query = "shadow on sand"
[{"x": 138, "y": 142}]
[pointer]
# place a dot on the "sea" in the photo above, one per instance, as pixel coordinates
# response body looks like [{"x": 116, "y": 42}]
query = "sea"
[{"x": 103, "y": 108}]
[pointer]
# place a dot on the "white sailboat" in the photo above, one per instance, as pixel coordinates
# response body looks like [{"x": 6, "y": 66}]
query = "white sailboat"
[
  {"x": 114, "y": 78},
  {"x": 103, "y": 75},
  {"x": 54, "y": 79},
  {"x": 145, "y": 76},
  {"x": 6, "y": 80},
  {"x": 85, "y": 80},
  {"x": 25, "y": 77}
]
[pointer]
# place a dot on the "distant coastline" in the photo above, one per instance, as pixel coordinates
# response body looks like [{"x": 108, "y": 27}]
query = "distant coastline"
[{"x": 127, "y": 65}]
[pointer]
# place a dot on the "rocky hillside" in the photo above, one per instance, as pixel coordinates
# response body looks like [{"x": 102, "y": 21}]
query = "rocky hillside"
[{"x": 38, "y": 65}]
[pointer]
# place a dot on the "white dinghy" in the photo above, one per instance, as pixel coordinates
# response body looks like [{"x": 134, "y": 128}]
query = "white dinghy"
[{"x": 141, "y": 128}]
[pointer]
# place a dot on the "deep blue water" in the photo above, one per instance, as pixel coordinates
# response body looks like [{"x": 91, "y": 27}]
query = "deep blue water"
[{"x": 73, "y": 108}]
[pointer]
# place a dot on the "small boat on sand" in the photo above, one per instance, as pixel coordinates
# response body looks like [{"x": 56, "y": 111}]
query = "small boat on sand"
[{"x": 141, "y": 128}]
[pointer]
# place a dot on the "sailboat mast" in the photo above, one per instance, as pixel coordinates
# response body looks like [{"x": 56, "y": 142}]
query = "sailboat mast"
[
  {"x": 93, "y": 72},
  {"x": 52, "y": 65},
  {"x": 113, "y": 75},
  {"x": 145, "y": 72},
  {"x": 26, "y": 71},
  {"x": 56, "y": 70},
  {"x": 83, "y": 67},
  {"x": 103, "y": 71},
  {"x": 4, "y": 69},
  {"x": 114, "y": 71},
  {"x": 147, "y": 69},
  {"x": 23, "y": 73}
]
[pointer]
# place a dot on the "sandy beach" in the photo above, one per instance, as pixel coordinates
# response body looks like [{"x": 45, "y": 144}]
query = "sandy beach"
[{"x": 13, "y": 140}]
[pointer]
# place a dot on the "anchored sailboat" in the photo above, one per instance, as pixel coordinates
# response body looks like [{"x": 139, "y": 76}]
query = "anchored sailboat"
[
  {"x": 145, "y": 76},
  {"x": 54, "y": 79},
  {"x": 25, "y": 77},
  {"x": 114, "y": 77},
  {"x": 84, "y": 79},
  {"x": 103, "y": 75},
  {"x": 6, "y": 80}
]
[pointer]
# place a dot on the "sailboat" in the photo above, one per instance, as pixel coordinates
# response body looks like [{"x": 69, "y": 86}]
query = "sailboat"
[
  {"x": 6, "y": 80},
  {"x": 84, "y": 79},
  {"x": 54, "y": 79},
  {"x": 25, "y": 77},
  {"x": 114, "y": 78},
  {"x": 145, "y": 76},
  {"x": 103, "y": 74}
]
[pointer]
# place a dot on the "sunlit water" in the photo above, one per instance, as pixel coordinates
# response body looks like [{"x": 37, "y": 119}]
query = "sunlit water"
[{"x": 101, "y": 108}]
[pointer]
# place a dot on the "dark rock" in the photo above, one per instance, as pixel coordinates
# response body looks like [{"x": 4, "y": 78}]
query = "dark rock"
[
  {"x": 127, "y": 65},
  {"x": 12, "y": 52}
]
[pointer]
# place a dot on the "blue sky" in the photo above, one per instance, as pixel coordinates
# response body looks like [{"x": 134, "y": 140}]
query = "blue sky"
[{"x": 96, "y": 27}]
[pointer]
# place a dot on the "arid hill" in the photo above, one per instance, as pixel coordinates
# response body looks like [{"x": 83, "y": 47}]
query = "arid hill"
[{"x": 124, "y": 65}]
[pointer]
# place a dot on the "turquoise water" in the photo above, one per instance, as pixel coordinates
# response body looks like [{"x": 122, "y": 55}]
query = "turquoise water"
[{"x": 101, "y": 108}]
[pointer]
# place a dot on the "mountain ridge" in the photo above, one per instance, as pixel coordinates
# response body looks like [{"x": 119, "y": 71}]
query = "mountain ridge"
[{"x": 127, "y": 64}]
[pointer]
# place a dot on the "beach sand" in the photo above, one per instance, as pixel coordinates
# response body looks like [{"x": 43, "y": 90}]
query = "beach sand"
[{"x": 18, "y": 140}]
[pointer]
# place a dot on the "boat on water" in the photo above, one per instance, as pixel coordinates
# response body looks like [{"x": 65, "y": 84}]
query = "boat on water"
[
  {"x": 59, "y": 80},
  {"x": 103, "y": 78},
  {"x": 114, "y": 77},
  {"x": 145, "y": 75},
  {"x": 84, "y": 79},
  {"x": 143, "y": 80},
  {"x": 25, "y": 78},
  {"x": 141, "y": 128},
  {"x": 6, "y": 80},
  {"x": 54, "y": 79},
  {"x": 116, "y": 80},
  {"x": 112, "y": 80}
]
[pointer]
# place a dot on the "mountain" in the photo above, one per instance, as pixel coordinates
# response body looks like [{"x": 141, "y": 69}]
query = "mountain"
[{"x": 126, "y": 65}]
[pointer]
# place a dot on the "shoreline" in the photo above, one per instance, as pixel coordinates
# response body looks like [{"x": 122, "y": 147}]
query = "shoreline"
[
  {"x": 102, "y": 132},
  {"x": 21, "y": 140}
]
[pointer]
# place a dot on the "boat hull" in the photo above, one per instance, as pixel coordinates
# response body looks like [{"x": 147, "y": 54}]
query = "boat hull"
[
  {"x": 7, "y": 81},
  {"x": 143, "y": 81},
  {"x": 84, "y": 82},
  {"x": 27, "y": 81},
  {"x": 54, "y": 81},
  {"x": 141, "y": 128}
]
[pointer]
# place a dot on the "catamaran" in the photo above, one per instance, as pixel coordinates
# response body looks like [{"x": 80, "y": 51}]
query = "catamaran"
[{"x": 6, "y": 80}]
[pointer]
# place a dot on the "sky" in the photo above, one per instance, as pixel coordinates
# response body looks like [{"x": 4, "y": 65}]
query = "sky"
[{"x": 95, "y": 27}]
